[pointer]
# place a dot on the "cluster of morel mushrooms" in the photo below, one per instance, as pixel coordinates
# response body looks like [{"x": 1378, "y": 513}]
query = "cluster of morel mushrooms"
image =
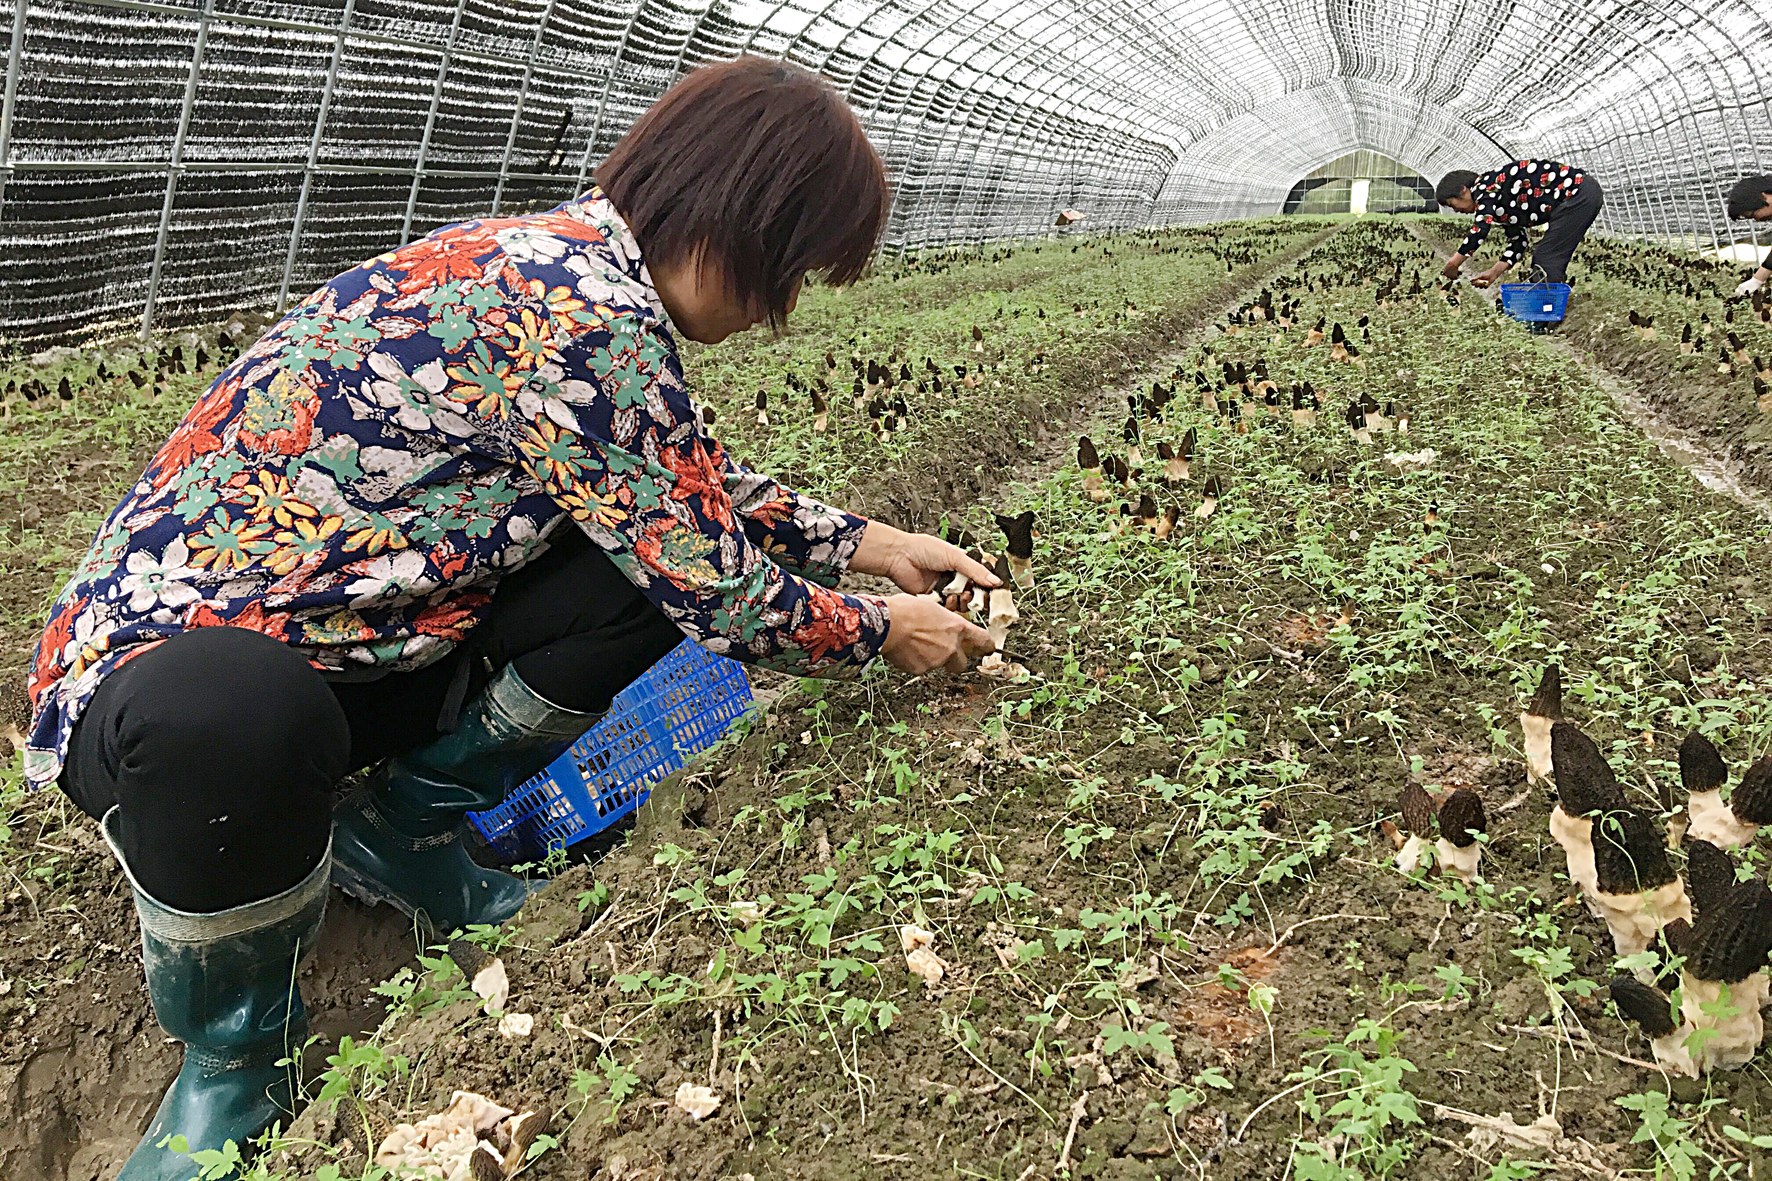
[{"x": 1698, "y": 940}]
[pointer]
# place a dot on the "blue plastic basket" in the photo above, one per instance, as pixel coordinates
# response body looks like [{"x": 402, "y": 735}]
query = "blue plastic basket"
[
  {"x": 1535, "y": 303},
  {"x": 678, "y": 708}
]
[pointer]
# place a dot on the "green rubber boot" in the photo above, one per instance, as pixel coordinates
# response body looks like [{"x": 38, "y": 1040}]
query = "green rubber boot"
[
  {"x": 399, "y": 840},
  {"x": 224, "y": 985}
]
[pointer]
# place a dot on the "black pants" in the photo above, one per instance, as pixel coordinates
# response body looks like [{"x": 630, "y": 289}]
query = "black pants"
[
  {"x": 1567, "y": 227},
  {"x": 221, "y": 747}
]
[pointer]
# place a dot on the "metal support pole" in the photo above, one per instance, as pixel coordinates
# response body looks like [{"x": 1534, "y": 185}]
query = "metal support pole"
[
  {"x": 15, "y": 55},
  {"x": 504, "y": 161},
  {"x": 424, "y": 142},
  {"x": 621, "y": 48},
  {"x": 307, "y": 180},
  {"x": 176, "y": 164}
]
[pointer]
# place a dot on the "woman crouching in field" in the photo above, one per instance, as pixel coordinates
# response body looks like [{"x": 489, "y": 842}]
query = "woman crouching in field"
[{"x": 432, "y": 523}]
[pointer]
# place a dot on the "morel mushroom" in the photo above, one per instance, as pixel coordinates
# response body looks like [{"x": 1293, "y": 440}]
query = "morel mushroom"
[
  {"x": 1703, "y": 773},
  {"x": 1541, "y": 713},
  {"x": 1723, "y": 986},
  {"x": 1018, "y": 532}
]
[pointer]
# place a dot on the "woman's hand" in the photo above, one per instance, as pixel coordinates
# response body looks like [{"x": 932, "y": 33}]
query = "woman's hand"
[
  {"x": 914, "y": 561},
  {"x": 1453, "y": 265},
  {"x": 1489, "y": 276},
  {"x": 923, "y": 636}
]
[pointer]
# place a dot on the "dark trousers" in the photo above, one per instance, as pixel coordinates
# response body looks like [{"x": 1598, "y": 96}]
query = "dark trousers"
[
  {"x": 221, "y": 747},
  {"x": 1568, "y": 225}
]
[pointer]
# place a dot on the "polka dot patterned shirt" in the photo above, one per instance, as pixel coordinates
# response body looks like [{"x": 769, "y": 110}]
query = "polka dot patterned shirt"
[{"x": 1525, "y": 193}]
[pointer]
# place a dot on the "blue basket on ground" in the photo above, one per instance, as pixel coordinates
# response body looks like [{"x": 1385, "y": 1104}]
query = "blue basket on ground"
[
  {"x": 1535, "y": 303},
  {"x": 678, "y": 708}
]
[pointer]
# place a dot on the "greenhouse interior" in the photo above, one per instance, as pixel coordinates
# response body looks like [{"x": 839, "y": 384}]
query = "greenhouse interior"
[{"x": 1022, "y": 590}]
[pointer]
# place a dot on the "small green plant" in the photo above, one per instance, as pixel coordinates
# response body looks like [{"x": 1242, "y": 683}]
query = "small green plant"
[
  {"x": 1678, "y": 1154},
  {"x": 1354, "y": 1094}
]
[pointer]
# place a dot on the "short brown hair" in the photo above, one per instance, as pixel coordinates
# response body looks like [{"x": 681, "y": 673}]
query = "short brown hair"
[{"x": 761, "y": 170}]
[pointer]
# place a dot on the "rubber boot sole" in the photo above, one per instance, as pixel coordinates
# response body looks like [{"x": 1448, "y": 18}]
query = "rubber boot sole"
[{"x": 368, "y": 891}]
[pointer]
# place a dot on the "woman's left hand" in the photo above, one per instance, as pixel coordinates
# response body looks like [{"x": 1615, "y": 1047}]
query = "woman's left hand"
[
  {"x": 916, "y": 562},
  {"x": 1488, "y": 277}
]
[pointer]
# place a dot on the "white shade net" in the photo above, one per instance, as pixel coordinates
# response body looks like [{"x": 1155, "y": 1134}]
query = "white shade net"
[{"x": 166, "y": 161}]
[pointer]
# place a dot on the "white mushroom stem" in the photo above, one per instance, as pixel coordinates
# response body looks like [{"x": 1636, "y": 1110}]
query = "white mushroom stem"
[
  {"x": 1538, "y": 747},
  {"x": 1409, "y": 856},
  {"x": 1671, "y": 1051},
  {"x": 1575, "y": 834},
  {"x": 1455, "y": 862},
  {"x": 1092, "y": 484},
  {"x": 1002, "y": 617},
  {"x": 1737, "y": 1033},
  {"x": 1134, "y": 456},
  {"x": 1175, "y": 470},
  {"x": 1021, "y": 571},
  {"x": 1714, "y": 821},
  {"x": 1207, "y": 507},
  {"x": 1635, "y": 919}
]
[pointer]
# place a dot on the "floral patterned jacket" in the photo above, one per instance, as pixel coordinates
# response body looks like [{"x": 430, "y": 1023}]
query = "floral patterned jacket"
[{"x": 356, "y": 483}]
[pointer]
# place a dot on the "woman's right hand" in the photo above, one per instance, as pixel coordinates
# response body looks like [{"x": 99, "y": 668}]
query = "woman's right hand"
[{"x": 923, "y": 636}]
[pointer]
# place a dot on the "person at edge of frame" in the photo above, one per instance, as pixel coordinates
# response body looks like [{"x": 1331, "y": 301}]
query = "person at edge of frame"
[
  {"x": 431, "y": 524},
  {"x": 1751, "y": 200},
  {"x": 1562, "y": 197}
]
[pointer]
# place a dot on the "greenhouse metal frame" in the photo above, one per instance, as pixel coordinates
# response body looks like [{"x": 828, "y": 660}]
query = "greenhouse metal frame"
[{"x": 165, "y": 163}]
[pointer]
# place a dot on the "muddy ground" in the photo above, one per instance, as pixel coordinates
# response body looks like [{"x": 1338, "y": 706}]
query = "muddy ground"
[
  {"x": 962, "y": 1081},
  {"x": 1485, "y": 1008}
]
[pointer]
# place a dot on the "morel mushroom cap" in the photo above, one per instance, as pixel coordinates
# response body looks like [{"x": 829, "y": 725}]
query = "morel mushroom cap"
[
  {"x": 1645, "y": 1006},
  {"x": 1418, "y": 810},
  {"x": 1547, "y": 702},
  {"x": 1731, "y": 941},
  {"x": 1629, "y": 854},
  {"x": 1710, "y": 875},
  {"x": 1585, "y": 782},
  {"x": 1462, "y": 817},
  {"x": 1701, "y": 767},
  {"x": 1019, "y": 532},
  {"x": 1752, "y": 799},
  {"x": 1087, "y": 457}
]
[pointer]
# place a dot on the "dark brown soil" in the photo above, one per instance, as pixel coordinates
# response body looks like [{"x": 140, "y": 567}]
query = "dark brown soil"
[{"x": 954, "y": 1086}]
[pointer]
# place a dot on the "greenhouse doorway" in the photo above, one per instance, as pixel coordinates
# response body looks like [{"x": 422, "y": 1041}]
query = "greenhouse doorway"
[{"x": 1362, "y": 182}]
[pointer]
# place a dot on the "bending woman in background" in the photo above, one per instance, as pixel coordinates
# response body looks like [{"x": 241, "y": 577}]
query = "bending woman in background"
[
  {"x": 441, "y": 514},
  {"x": 1525, "y": 193},
  {"x": 1751, "y": 200}
]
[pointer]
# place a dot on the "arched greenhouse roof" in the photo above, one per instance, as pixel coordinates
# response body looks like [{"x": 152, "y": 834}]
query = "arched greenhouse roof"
[{"x": 164, "y": 160}]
